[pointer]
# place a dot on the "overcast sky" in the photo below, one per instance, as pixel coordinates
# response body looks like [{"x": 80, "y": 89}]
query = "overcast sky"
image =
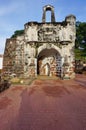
[{"x": 15, "y": 13}]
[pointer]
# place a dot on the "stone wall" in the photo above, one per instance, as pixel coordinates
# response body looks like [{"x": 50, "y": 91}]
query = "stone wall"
[
  {"x": 32, "y": 53},
  {"x": 9, "y": 56}
]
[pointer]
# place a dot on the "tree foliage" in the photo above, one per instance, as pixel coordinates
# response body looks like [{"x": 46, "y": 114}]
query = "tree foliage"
[
  {"x": 17, "y": 33},
  {"x": 80, "y": 45},
  {"x": 80, "y": 34}
]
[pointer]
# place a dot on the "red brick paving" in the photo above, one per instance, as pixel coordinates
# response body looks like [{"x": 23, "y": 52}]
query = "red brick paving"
[{"x": 45, "y": 105}]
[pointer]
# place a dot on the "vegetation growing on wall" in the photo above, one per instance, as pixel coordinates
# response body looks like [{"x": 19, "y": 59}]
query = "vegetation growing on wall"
[{"x": 17, "y": 33}]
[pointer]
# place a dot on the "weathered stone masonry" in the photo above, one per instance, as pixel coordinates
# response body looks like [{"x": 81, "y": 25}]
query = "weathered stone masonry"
[{"x": 45, "y": 48}]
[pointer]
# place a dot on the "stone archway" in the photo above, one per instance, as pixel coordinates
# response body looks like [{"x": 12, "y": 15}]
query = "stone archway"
[
  {"x": 49, "y": 63},
  {"x": 45, "y": 70}
]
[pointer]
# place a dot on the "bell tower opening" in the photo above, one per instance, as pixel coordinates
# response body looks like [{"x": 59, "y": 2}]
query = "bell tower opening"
[
  {"x": 50, "y": 9},
  {"x": 48, "y": 16}
]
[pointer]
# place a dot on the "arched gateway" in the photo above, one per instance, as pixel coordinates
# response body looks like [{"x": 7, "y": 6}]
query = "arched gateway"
[
  {"x": 49, "y": 62},
  {"x": 45, "y": 48}
]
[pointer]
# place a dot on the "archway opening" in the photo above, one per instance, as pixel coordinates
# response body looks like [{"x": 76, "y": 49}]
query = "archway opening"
[
  {"x": 49, "y": 63},
  {"x": 48, "y": 16}
]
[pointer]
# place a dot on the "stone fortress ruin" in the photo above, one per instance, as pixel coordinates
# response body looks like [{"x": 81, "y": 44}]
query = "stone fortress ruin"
[{"x": 45, "y": 48}]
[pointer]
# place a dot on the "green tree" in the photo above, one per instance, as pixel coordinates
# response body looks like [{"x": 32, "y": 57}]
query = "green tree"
[
  {"x": 17, "y": 33},
  {"x": 80, "y": 34},
  {"x": 80, "y": 41}
]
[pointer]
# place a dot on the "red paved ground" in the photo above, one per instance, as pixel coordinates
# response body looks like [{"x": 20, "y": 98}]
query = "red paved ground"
[{"x": 45, "y": 105}]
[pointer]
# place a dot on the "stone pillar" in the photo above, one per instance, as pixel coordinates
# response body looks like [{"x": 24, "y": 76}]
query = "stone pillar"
[
  {"x": 44, "y": 16},
  {"x": 32, "y": 67},
  {"x": 52, "y": 16},
  {"x": 35, "y": 66}
]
